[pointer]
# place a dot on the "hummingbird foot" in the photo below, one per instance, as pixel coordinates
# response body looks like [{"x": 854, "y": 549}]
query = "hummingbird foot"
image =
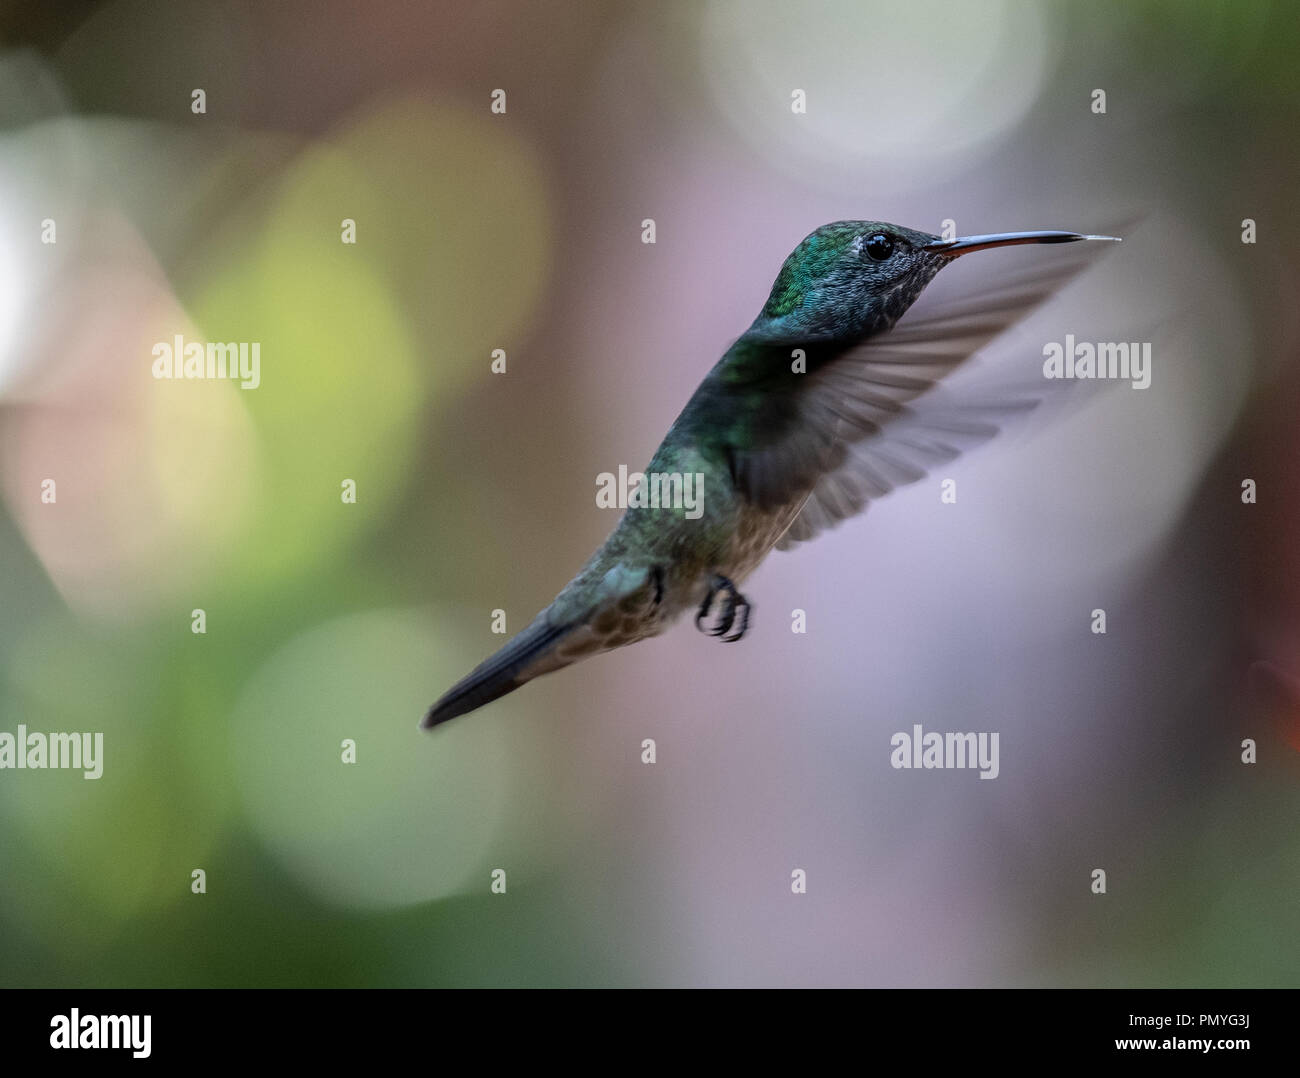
[{"x": 733, "y": 611}]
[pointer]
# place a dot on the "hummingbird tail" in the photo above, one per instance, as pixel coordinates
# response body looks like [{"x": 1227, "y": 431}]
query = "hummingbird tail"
[{"x": 503, "y": 672}]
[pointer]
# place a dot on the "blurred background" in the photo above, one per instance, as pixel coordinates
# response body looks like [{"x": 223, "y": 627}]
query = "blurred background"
[{"x": 521, "y": 231}]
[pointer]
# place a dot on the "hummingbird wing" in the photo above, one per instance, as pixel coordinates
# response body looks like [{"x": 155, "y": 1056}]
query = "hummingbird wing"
[
  {"x": 935, "y": 430},
  {"x": 874, "y": 417}
]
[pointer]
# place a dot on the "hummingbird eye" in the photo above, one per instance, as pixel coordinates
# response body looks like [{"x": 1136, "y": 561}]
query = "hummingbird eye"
[{"x": 878, "y": 246}]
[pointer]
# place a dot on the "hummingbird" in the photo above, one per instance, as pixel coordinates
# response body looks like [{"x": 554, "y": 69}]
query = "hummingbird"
[{"x": 817, "y": 409}]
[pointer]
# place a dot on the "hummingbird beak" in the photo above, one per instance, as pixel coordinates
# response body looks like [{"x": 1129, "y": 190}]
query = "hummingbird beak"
[{"x": 965, "y": 244}]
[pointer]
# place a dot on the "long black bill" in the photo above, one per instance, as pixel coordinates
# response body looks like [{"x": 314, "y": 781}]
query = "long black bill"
[{"x": 963, "y": 245}]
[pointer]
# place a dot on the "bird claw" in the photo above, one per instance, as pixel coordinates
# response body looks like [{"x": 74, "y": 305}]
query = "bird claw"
[{"x": 733, "y": 611}]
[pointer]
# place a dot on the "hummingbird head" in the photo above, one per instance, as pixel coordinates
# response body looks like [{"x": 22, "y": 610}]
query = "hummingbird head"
[{"x": 850, "y": 279}]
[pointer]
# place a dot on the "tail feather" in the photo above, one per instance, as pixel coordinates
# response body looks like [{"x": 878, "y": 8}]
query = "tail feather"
[{"x": 498, "y": 674}]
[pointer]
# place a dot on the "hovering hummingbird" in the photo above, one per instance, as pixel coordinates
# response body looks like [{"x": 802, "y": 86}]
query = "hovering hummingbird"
[{"x": 815, "y": 410}]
